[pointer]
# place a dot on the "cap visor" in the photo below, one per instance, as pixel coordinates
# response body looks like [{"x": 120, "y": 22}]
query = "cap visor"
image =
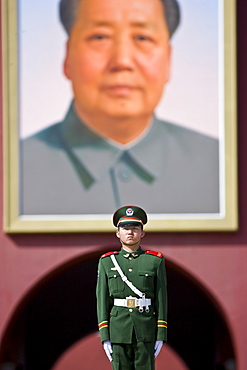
[{"x": 130, "y": 223}]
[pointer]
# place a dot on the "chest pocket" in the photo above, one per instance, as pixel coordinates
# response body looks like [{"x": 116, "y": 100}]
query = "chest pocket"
[
  {"x": 146, "y": 279},
  {"x": 116, "y": 284}
]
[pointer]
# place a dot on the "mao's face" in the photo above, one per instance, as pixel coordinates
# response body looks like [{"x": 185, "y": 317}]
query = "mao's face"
[{"x": 118, "y": 58}]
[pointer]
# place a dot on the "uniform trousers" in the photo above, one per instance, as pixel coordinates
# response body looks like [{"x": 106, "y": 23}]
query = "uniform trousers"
[{"x": 134, "y": 356}]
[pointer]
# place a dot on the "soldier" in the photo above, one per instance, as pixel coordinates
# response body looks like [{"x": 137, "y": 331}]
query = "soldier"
[{"x": 131, "y": 296}]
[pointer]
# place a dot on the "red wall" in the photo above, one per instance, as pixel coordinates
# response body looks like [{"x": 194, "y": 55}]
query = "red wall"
[{"x": 217, "y": 260}]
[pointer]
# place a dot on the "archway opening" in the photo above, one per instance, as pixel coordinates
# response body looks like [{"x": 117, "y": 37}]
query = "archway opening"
[
  {"x": 88, "y": 354},
  {"x": 62, "y": 310}
]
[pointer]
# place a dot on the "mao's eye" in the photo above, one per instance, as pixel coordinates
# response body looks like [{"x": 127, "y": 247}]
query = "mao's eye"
[
  {"x": 98, "y": 37},
  {"x": 142, "y": 38}
]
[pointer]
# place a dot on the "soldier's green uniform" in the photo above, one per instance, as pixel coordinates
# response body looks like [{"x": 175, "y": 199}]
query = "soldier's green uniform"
[{"x": 127, "y": 328}]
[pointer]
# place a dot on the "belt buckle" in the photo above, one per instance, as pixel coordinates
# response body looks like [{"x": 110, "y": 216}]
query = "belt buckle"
[{"x": 131, "y": 302}]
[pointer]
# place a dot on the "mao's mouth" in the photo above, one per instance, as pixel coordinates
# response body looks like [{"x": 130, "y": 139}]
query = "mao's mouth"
[{"x": 120, "y": 90}]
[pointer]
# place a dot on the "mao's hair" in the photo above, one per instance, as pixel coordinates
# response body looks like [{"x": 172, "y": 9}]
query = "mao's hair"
[{"x": 68, "y": 11}]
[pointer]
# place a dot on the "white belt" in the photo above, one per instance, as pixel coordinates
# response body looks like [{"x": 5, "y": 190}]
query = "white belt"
[{"x": 132, "y": 302}]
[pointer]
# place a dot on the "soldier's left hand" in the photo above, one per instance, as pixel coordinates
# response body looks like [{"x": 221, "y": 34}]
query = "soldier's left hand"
[{"x": 157, "y": 347}]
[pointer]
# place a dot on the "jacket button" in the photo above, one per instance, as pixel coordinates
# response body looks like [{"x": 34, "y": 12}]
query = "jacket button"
[
  {"x": 130, "y": 270},
  {"x": 130, "y": 310}
]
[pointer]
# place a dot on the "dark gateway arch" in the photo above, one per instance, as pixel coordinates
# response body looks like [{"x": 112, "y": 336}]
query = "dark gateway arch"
[{"x": 62, "y": 309}]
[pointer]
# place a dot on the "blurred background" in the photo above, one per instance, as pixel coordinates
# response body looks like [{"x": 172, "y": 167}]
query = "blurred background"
[{"x": 47, "y": 285}]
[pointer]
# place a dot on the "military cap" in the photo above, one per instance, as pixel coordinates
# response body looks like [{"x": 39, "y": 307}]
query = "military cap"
[{"x": 129, "y": 216}]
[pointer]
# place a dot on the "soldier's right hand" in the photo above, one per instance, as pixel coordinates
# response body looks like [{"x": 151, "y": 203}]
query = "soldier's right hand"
[{"x": 108, "y": 349}]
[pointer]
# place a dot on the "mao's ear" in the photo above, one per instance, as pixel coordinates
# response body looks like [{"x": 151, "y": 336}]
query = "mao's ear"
[
  {"x": 168, "y": 63},
  {"x": 66, "y": 63},
  {"x": 117, "y": 234}
]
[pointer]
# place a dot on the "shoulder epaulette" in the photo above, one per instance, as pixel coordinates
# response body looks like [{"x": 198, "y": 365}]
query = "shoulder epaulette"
[
  {"x": 108, "y": 254},
  {"x": 157, "y": 254}
]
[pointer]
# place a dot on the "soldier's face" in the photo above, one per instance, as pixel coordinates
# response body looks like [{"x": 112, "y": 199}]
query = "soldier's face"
[
  {"x": 130, "y": 235},
  {"x": 118, "y": 57}
]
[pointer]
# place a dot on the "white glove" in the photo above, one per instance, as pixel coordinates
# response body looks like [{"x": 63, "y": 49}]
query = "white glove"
[
  {"x": 108, "y": 349},
  {"x": 157, "y": 347}
]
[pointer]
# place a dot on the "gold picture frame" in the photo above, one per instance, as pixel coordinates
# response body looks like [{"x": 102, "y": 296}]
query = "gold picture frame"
[{"x": 14, "y": 222}]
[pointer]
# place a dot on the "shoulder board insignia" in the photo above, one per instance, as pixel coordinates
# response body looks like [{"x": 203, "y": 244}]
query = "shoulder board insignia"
[
  {"x": 157, "y": 254},
  {"x": 108, "y": 254}
]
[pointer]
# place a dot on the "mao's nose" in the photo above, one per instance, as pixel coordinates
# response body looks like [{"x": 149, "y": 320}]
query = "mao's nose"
[{"x": 122, "y": 55}]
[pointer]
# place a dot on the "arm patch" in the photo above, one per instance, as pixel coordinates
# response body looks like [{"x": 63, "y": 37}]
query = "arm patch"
[
  {"x": 108, "y": 254},
  {"x": 153, "y": 253}
]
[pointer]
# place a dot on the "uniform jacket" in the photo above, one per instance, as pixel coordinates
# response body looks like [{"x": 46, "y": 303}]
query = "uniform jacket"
[{"x": 147, "y": 273}]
